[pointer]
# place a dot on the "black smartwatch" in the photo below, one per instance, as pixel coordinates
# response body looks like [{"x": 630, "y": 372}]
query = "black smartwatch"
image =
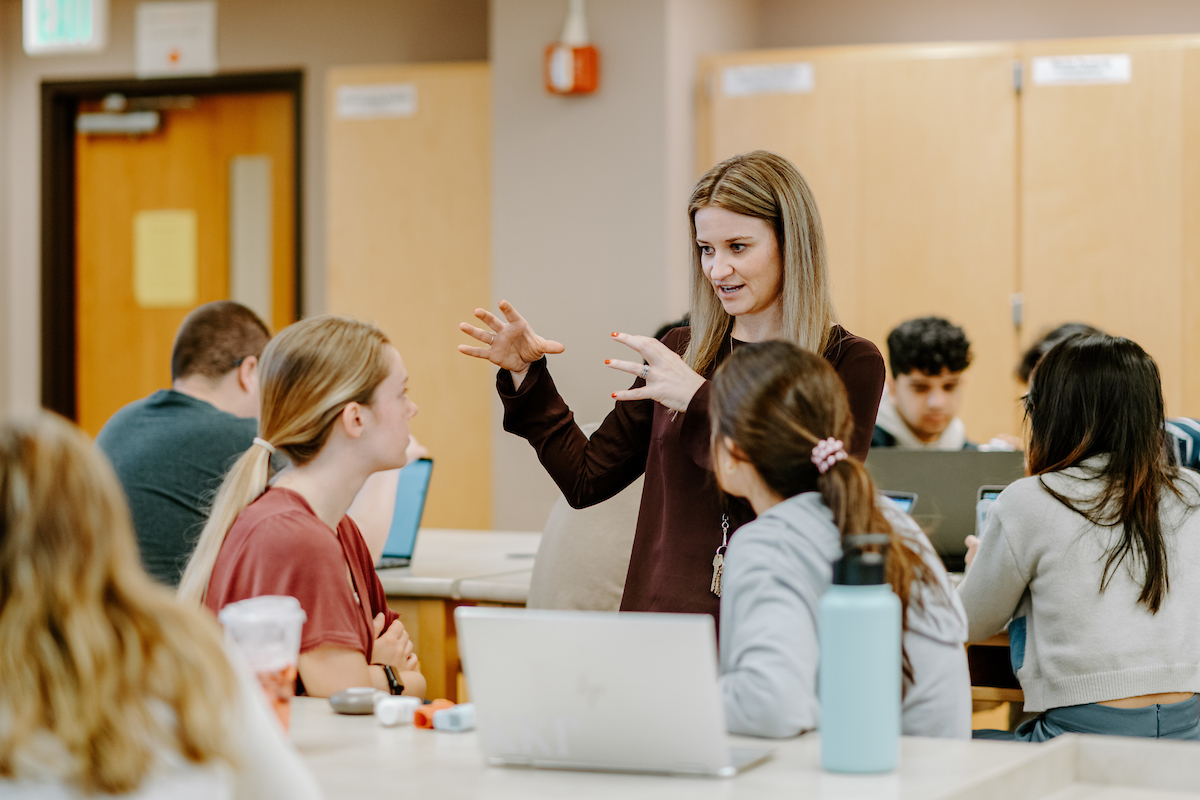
[{"x": 394, "y": 684}]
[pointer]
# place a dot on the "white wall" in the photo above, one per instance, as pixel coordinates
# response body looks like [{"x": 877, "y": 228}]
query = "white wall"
[
  {"x": 589, "y": 197},
  {"x": 253, "y": 35},
  {"x": 789, "y": 23}
]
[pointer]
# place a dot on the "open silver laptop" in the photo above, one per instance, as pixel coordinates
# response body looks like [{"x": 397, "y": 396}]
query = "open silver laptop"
[{"x": 598, "y": 691}]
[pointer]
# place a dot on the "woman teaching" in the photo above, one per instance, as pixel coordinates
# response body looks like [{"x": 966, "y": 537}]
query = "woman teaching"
[{"x": 759, "y": 272}]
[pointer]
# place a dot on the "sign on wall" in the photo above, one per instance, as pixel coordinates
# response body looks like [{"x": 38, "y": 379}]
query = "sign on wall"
[
  {"x": 176, "y": 38},
  {"x": 63, "y": 26}
]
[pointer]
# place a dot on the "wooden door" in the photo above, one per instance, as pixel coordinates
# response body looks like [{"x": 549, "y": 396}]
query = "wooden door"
[
  {"x": 123, "y": 346},
  {"x": 1102, "y": 191},
  {"x": 409, "y": 248},
  {"x": 910, "y": 151}
]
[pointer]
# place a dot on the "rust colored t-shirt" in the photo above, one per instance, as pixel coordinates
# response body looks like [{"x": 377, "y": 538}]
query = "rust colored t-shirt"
[
  {"x": 679, "y": 521},
  {"x": 278, "y": 545}
]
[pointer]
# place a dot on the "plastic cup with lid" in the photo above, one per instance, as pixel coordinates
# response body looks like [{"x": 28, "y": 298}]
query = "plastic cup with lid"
[{"x": 266, "y": 631}]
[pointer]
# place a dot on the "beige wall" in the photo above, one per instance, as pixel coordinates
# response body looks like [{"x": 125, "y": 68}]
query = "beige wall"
[
  {"x": 803, "y": 23},
  {"x": 588, "y": 196},
  {"x": 252, "y": 35}
]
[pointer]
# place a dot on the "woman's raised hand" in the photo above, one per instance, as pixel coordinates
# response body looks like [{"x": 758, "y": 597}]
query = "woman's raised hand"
[
  {"x": 510, "y": 344},
  {"x": 669, "y": 379}
]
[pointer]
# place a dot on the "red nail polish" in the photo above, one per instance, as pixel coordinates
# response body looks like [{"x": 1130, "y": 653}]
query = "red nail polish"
[
  {"x": 614, "y": 395},
  {"x": 606, "y": 361},
  {"x": 614, "y": 333}
]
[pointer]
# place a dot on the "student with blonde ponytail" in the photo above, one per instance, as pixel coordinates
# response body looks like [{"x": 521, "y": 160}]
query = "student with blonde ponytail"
[
  {"x": 333, "y": 394},
  {"x": 779, "y": 420},
  {"x": 107, "y": 685}
]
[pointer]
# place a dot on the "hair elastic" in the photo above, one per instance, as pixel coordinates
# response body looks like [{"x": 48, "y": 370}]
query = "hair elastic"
[
  {"x": 265, "y": 445},
  {"x": 826, "y": 453}
]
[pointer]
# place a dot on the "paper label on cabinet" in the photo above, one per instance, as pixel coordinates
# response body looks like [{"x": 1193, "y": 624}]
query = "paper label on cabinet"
[
  {"x": 751, "y": 79},
  {"x": 377, "y": 101},
  {"x": 1082, "y": 70}
]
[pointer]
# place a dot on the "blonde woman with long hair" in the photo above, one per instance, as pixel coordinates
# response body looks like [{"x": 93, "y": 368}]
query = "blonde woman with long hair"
[
  {"x": 334, "y": 399},
  {"x": 759, "y": 272},
  {"x": 108, "y": 686}
]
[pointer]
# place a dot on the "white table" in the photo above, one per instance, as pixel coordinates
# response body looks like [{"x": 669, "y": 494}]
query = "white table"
[
  {"x": 354, "y": 757},
  {"x": 452, "y": 568}
]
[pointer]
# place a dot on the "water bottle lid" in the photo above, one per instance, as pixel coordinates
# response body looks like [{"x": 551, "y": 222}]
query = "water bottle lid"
[{"x": 857, "y": 567}]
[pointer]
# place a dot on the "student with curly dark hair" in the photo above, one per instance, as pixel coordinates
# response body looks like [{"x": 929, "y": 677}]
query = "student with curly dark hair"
[{"x": 927, "y": 357}]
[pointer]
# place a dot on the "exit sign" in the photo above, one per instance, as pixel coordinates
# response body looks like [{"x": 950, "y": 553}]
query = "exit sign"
[{"x": 63, "y": 26}]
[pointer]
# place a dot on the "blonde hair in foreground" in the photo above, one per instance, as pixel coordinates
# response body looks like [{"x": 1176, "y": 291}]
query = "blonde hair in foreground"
[
  {"x": 308, "y": 373},
  {"x": 767, "y": 186},
  {"x": 89, "y": 644}
]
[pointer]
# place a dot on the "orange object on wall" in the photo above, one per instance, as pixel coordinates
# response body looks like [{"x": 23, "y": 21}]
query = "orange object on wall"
[
  {"x": 572, "y": 70},
  {"x": 572, "y": 64}
]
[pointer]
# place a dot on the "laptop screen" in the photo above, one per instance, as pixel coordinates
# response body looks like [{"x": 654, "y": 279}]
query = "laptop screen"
[
  {"x": 905, "y": 500},
  {"x": 410, "y": 503}
]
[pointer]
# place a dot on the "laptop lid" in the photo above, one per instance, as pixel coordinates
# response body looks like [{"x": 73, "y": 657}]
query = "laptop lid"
[
  {"x": 946, "y": 483},
  {"x": 411, "y": 488},
  {"x": 595, "y": 690}
]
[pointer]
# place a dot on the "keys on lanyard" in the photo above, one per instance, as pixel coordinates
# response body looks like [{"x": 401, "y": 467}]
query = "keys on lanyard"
[{"x": 719, "y": 558}]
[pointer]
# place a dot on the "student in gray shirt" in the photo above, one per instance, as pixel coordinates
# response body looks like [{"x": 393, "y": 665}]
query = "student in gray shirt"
[
  {"x": 778, "y": 413},
  {"x": 172, "y": 449},
  {"x": 1092, "y": 561}
]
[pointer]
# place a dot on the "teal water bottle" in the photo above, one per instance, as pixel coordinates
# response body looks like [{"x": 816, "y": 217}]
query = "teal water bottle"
[{"x": 859, "y": 680}]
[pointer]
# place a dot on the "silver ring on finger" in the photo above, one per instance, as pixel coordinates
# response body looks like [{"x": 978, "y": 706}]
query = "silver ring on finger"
[
  {"x": 493, "y": 340},
  {"x": 645, "y": 371}
]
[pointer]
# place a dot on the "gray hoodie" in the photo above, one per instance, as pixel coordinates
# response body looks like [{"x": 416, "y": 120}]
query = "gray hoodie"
[{"x": 775, "y": 572}]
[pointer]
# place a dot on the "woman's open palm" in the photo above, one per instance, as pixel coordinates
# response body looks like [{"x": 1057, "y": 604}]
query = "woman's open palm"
[{"x": 510, "y": 344}]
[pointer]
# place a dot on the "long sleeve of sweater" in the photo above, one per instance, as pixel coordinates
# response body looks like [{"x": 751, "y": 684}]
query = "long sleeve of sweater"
[{"x": 995, "y": 582}]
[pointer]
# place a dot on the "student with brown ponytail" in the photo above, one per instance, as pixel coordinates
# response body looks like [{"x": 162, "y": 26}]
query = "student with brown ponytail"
[
  {"x": 333, "y": 395},
  {"x": 779, "y": 420}
]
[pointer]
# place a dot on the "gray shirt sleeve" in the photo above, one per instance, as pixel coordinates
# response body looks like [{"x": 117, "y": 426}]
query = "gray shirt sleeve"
[
  {"x": 769, "y": 653},
  {"x": 995, "y": 582}
]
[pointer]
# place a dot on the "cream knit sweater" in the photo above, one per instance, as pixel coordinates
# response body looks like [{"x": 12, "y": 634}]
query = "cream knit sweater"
[{"x": 1040, "y": 565}]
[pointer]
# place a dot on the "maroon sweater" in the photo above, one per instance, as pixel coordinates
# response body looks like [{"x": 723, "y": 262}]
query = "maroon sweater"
[{"x": 679, "y": 523}]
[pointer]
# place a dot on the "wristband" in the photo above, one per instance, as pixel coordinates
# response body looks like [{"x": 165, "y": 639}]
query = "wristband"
[{"x": 394, "y": 684}]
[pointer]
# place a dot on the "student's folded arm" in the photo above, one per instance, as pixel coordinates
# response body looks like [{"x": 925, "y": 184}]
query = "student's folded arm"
[
  {"x": 769, "y": 688},
  {"x": 329, "y": 669},
  {"x": 994, "y": 584}
]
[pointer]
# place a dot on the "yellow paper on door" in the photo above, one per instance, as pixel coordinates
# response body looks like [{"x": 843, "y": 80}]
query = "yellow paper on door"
[{"x": 165, "y": 271}]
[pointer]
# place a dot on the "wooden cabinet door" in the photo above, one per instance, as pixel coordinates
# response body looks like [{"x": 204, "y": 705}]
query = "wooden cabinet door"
[
  {"x": 816, "y": 130},
  {"x": 1102, "y": 201},
  {"x": 937, "y": 208},
  {"x": 409, "y": 240},
  {"x": 910, "y": 151},
  {"x": 123, "y": 348}
]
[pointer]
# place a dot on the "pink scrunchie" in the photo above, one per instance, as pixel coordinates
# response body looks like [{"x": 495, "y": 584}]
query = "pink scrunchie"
[{"x": 826, "y": 453}]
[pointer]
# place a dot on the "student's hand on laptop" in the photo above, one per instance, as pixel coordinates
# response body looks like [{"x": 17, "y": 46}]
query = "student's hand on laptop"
[
  {"x": 972, "y": 543},
  {"x": 392, "y": 647}
]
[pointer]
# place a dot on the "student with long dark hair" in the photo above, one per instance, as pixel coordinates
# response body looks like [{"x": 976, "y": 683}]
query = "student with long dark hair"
[
  {"x": 779, "y": 420},
  {"x": 1093, "y": 557}
]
